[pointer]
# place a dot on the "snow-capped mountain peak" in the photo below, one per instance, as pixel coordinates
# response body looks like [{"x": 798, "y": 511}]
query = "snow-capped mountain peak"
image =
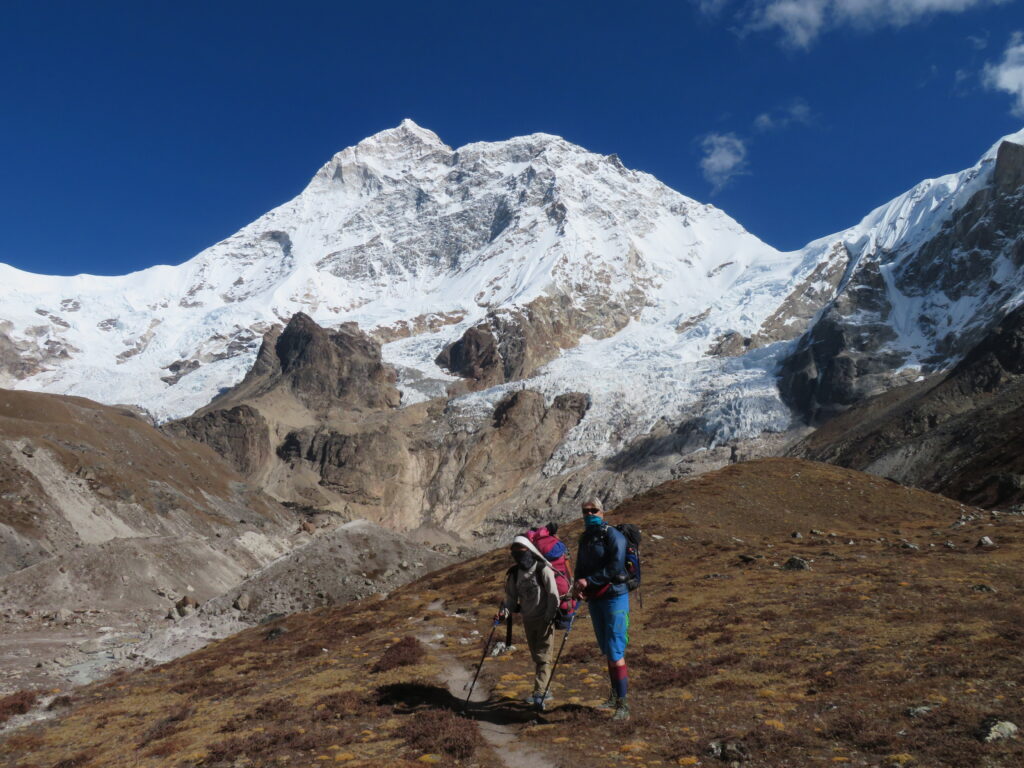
[{"x": 657, "y": 305}]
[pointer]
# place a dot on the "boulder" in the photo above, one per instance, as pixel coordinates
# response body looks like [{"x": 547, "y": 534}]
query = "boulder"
[
  {"x": 186, "y": 606},
  {"x": 995, "y": 729}
]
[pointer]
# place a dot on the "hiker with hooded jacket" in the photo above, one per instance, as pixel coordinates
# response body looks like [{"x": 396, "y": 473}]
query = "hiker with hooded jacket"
[
  {"x": 531, "y": 590},
  {"x": 601, "y": 580}
]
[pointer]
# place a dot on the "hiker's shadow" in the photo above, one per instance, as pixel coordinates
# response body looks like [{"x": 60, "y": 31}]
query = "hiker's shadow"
[{"x": 409, "y": 698}]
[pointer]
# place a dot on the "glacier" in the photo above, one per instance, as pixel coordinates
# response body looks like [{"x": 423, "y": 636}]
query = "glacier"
[{"x": 417, "y": 241}]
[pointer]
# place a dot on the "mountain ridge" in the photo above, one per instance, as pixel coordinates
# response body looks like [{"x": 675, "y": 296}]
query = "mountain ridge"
[{"x": 588, "y": 276}]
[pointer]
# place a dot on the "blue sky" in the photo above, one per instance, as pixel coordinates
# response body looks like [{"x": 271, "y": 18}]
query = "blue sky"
[{"x": 138, "y": 133}]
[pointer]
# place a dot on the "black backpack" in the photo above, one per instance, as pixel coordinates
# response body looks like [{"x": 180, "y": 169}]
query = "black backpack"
[{"x": 631, "y": 578}]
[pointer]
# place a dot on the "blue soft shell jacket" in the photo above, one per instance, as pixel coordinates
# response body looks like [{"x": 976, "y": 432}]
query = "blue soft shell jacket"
[{"x": 602, "y": 558}]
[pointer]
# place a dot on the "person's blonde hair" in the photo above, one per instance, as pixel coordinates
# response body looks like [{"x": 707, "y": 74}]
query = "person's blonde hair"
[{"x": 595, "y": 502}]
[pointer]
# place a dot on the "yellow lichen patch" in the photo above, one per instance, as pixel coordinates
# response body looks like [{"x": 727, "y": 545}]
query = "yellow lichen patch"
[
  {"x": 342, "y": 757},
  {"x": 510, "y": 676},
  {"x": 776, "y": 724},
  {"x": 900, "y": 759},
  {"x": 634, "y": 746},
  {"x": 689, "y": 760},
  {"x": 429, "y": 758}
]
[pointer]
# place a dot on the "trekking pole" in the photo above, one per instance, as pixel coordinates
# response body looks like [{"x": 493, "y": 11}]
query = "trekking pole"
[
  {"x": 554, "y": 666},
  {"x": 487, "y": 645}
]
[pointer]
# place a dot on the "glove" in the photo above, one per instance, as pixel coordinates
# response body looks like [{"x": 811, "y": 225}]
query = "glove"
[{"x": 578, "y": 587}]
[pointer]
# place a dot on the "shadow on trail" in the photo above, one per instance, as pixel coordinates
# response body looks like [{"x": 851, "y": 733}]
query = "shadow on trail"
[{"x": 409, "y": 698}]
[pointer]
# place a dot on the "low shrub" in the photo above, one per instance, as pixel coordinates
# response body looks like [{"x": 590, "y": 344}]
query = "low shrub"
[
  {"x": 405, "y": 652},
  {"x": 261, "y": 743},
  {"x": 336, "y": 706},
  {"x": 309, "y": 651},
  {"x": 440, "y": 731},
  {"x": 165, "y": 726},
  {"x": 76, "y": 761},
  {"x": 17, "y": 703},
  {"x": 667, "y": 676}
]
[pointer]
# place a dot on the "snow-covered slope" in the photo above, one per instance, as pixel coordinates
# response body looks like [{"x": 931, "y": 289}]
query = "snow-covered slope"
[
  {"x": 402, "y": 227},
  {"x": 418, "y": 241},
  {"x": 929, "y": 273}
]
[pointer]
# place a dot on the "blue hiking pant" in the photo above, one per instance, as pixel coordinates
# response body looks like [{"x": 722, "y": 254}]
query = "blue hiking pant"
[{"x": 610, "y": 617}]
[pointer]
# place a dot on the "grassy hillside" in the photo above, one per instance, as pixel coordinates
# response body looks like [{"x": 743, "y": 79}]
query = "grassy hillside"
[{"x": 891, "y": 649}]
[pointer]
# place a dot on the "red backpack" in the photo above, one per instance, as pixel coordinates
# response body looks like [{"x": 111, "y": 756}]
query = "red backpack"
[{"x": 556, "y": 553}]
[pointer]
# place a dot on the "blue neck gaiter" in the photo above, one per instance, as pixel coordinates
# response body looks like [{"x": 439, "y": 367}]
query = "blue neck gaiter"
[{"x": 590, "y": 520}]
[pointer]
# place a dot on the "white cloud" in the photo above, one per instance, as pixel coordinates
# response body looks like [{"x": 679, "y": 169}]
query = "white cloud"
[
  {"x": 796, "y": 112},
  {"x": 1008, "y": 74},
  {"x": 725, "y": 157},
  {"x": 977, "y": 42},
  {"x": 801, "y": 21}
]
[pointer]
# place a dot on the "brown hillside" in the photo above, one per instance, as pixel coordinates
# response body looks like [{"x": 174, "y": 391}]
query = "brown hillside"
[
  {"x": 77, "y": 477},
  {"x": 891, "y": 650}
]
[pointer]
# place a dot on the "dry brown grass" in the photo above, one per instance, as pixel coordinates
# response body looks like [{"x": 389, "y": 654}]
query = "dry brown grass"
[{"x": 792, "y": 668}]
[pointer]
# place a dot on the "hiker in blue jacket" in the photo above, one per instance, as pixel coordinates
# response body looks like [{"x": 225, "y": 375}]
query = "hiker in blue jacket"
[{"x": 601, "y": 580}]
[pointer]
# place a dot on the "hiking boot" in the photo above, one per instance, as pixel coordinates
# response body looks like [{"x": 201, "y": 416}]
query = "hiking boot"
[
  {"x": 540, "y": 702},
  {"x": 532, "y": 698},
  {"x": 611, "y": 703},
  {"x": 622, "y": 711}
]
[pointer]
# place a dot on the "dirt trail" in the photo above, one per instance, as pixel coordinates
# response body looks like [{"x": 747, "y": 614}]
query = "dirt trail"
[{"x": 502, "y": 730}]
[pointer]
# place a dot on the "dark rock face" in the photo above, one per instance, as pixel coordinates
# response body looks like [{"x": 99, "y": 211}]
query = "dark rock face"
[
  {"x": 239, "y": 434},
  {"x": 510, "y": 345},
  {"x": 1009, "y": 171},
  {"x": 848, "y": 355},
  {"x": 960, "y": 434},
  {"x": 474, "y": 356},
  {"x": 323, "y": 369},
  {"x": 342, "y": 367}
]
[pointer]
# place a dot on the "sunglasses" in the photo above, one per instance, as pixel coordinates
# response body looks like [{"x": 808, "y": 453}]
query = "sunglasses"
[{"x": 591, "y": 509}]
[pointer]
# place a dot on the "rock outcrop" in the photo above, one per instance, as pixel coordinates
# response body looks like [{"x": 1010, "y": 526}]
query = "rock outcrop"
[
  {"x": 317, "y": 372},
  {"x": 960, "y": 433},
  {"x": 239, "y": 434},
  {"x": 511, "y": 344},
  {"x": 322, "y": 369},
  {"x": 315, "y": 423}
]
